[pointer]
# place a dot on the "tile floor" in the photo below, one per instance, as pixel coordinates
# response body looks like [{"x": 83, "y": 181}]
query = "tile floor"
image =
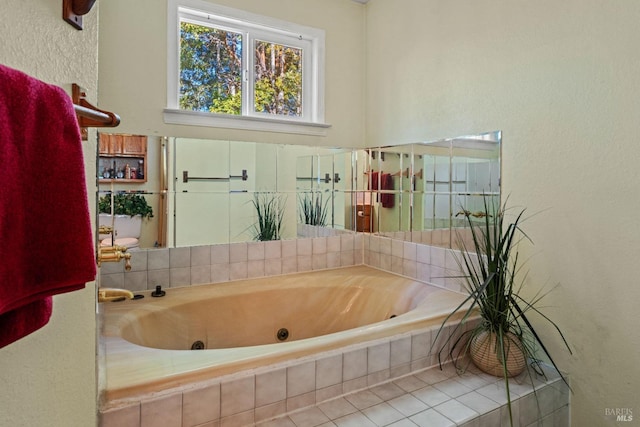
[{"x": 436, "y": 398}]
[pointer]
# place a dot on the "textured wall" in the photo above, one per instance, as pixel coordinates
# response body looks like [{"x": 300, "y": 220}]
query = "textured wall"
[
  {"x": 49, "y": 378},
  {"x": 560, "y": 79},
  {"x": 133, "y": 67}
]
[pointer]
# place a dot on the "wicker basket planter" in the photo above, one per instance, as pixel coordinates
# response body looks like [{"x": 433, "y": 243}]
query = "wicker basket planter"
[{"x": 485, "y": 356}]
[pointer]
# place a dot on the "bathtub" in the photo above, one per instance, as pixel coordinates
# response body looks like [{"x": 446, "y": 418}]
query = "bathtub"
[{"x": 241, "y": 325}]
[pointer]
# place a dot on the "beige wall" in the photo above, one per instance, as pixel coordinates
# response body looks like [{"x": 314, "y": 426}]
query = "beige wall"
[
  {"x": 133, "y": 67},
  {"x": 48, "y": 378},
  {"x": 560, "y": 79}
]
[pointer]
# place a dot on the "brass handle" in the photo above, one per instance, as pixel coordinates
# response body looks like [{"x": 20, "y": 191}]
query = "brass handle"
[
  {"x": 114, "y": 254},
  {"x": 105, "y": 229},
  {"x": 111, "y": 249}
]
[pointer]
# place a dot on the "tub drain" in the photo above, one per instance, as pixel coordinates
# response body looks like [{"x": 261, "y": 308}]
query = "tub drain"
[
  {"x": 282, "y": 334},
  {"x": 197, "y": 345}
]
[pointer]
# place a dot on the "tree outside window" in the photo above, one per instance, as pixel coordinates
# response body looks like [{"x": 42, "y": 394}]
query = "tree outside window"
[
  {"x": 211, "y": 64},
  {"x": 278, "y": 79},
  {"x": 210, "y": 69}
]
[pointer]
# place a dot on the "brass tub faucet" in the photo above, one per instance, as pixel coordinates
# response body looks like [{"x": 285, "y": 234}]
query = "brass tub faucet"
[
  {"x": 113, "y": 294},
  {"x": 114, "y": 254}
]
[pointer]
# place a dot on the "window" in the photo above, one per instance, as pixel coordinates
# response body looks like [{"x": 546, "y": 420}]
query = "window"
[
  {"x": 210, "y": 69},
  {"x": 230, "y": 68}
]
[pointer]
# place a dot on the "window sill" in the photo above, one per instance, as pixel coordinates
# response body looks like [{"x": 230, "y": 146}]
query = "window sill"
[{"x": 197, "y": 118}]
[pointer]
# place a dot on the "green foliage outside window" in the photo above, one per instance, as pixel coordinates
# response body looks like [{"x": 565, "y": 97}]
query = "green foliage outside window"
[
  {"x": 211, "y": 73},
  {"x": 210, "y": 69},
  {"x": 278, "y": 86}
]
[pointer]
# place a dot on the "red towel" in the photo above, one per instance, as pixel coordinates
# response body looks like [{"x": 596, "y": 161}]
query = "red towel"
[
  {"x": 22, "y": 321},
  {"x": 386, "y": 183},
  {"x": 47, "y": 242},
  {"x": 373, "y": 183}
]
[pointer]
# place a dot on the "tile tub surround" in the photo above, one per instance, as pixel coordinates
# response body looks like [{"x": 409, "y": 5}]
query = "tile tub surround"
[
  {"x": 197, "y": 265},
  {"x": 434, "y": 397},
  {"x": 319, "y": 393},
  {"x": 429, "y": 264},
  {"x": 270, "y": 391},
  {"x": 442, "y": 237}
]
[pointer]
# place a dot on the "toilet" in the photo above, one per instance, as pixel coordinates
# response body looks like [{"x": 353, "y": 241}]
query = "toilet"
[{"x": 126, "y": 230}]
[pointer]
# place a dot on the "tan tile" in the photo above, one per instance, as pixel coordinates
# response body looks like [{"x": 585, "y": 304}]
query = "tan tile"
[
  {"x": 238, "y": 420},
  {"x": 363, "y": 399},
  {"x": 162, "y": 412},
  {"x": 329, "y": 371},
  {"x": 237, "y": 396},
  {"x": 271, "y": 387},
  {"x": 122, "y": 417},
  {"x": 355, "y": 364},
  {"x": 219, "y": 254},
  {"x": 270, "y": 411},
  {"x": 378, "y": 357},
  {"x": 301, "y": 379},
  {"x": 309, "y": 417},
  {"x": 337, "y": 408},
  {"x": 200, "y": 405},
  {"x": 301, "y": 401}
]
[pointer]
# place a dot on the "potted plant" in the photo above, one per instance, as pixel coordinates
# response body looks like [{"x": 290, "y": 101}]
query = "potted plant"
[
  {"x": 270, "y": 211},
  {"x": 130, "y": 204},
  {"x": 504, "y": 339},
  {"x": 312, "y": 210}
]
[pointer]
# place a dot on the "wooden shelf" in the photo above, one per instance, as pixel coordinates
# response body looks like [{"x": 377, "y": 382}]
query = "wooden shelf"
[
  {"x": 122, "y": 145},
  {"x": 122, "y": 154},
  {"x": 123, "y": 181}
]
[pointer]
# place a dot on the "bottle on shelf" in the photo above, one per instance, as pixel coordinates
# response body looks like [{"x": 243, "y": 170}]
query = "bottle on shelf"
[{"x": 140, "y": 169}]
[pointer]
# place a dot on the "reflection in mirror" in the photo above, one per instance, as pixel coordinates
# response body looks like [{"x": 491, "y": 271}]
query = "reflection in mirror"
[
  {"x": 441, "y": 180},
  {"x": 313, "y": 202},
  {"x": 202, "y": 192},
  {"x": 234, "y": 179},
  {"x": 128, "y": 186},
  {"x": 323, "y": 192}
]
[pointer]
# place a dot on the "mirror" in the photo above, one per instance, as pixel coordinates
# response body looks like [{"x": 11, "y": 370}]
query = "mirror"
[
  {"x": 204, "y": 191},
  {"x": 434, "y": 183},
  {"x": 130, "y": 180}
]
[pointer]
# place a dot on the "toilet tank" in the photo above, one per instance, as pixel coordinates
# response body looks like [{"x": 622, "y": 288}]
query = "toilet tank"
[
  {"x": 128, "y": 226},
  {"x": 124, "y": 225}
]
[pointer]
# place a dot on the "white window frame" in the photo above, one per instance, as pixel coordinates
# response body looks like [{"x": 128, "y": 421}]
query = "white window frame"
[{"x": 252, "y": 27}]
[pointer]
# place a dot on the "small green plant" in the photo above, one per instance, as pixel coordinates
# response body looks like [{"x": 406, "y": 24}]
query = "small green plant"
[
  {"x": 312, "y": 210},
  {"x": 270, "y": 212},
  {"x": 131, "y": 204},
  {"x": 493, "y": 279}
]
